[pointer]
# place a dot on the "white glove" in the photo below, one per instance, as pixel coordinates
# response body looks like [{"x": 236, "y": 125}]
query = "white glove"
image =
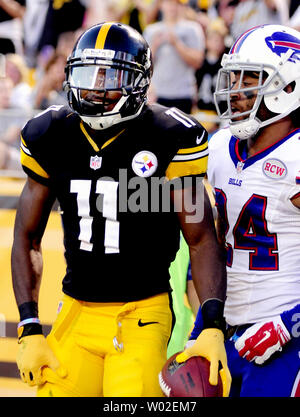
[{"x": 261, "y": 340}]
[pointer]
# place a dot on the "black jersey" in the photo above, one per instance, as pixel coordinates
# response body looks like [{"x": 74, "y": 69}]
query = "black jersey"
[{"x": 120, "y": 236}]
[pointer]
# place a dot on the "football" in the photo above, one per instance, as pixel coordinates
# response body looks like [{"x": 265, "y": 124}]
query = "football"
[{"x": 188, "y": 379}]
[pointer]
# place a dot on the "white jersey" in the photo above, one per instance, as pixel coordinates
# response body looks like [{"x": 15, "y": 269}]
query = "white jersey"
[{"x": 253, "y": 196}]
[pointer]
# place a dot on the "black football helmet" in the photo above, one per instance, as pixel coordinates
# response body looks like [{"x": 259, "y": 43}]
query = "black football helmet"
[{"x": 108, "y": 74}]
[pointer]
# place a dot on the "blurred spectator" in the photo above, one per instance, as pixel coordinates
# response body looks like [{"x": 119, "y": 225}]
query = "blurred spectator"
[
  {"x": 177, "y": 46},
  {"x": 9, "y": 153},
  {"x": 294, "y": 21},
  {"x": 17, "y": 71},
  {"x": 9, "y": 157},
  {"x": 250, "y": 13},
  {"x": 136, "y": 13},
  {"x": 201, "y": 11},
  {"x": 62, "y": 16},
  {"x": 6, "y": 87},
  {"x": 49, "y": 90},
  {"x": 11, "y": 26},
  {"x": 100, "y": 11},
  {"x": 45, "y": 21},
  {"x": 34, "y": 22},
  {"x": 226, "y": 10},
  {"x": 200, "y": 5},
  {"x": 206, "y": 75},
  {"x": 65, "y": 43},
  {"x": 139, "y": 13},
  {"x": 293, "y": 6},
  {"x": 64, "y": 47}
]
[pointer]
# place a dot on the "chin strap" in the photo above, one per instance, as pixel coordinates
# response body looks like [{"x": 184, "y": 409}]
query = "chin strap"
[{"x": 245, "y": 129}]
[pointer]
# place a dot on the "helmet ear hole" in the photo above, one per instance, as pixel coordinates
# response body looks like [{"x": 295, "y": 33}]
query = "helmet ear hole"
[
  {"x": 290, "y": 87},
  {"x": 287, "y": 98}
]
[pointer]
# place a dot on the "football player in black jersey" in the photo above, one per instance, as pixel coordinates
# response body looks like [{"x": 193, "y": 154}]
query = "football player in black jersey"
[{"x": 102, "y": 159}]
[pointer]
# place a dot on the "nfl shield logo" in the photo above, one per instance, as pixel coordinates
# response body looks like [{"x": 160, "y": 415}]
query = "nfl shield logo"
[
  {"x": 239, "y": 167},
  {"x": 95, "y": 162}
]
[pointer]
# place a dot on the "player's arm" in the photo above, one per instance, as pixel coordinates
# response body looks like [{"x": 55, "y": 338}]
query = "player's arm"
[
  {"x": 197, "y": 224},
  {"x": 33, "y": 210},
  {"x": 209, "y": 276}
]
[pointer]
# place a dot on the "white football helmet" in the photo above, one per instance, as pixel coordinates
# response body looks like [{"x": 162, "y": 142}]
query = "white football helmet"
[{"x": 272, "y": 51}]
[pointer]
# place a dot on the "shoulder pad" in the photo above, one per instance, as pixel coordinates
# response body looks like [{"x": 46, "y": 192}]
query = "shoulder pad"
[
  {"x": 219, "y": 138},
  {"x": 192, "y": 148},
  {"x": 40, "y": 124},
  {"x": 34, "y": 139}
]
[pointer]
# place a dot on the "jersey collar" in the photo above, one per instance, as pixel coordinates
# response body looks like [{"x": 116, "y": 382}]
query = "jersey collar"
[
  {"x": 93, "y": 143},
  {"x": 241, "y": 158}
]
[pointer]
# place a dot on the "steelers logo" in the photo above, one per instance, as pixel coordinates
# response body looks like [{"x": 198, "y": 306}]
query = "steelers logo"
[{"x": 144, "y": 164}]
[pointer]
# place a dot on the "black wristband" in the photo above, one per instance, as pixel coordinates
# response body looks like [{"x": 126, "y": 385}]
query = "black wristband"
[
  {"x": 213, "y": 314},
  {"x": 29, "y": 330},
  {"x": 28, "y": 310}
]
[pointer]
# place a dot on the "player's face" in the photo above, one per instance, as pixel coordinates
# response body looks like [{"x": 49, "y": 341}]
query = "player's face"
[
  {"x": 243, "y": 101},
  {"x": 108, "y": 98}
]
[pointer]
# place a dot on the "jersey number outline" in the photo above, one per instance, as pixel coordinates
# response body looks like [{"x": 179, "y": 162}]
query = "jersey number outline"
[
  {"x": 251, "y": 233},
  {"x": 108, "y": 190}
]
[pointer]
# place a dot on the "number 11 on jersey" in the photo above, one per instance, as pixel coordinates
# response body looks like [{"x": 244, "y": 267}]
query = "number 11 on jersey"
[{"x": 108, "y": 189}]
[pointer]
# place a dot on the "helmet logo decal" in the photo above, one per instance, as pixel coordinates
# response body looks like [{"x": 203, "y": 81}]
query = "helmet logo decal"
[
  {"x": 144, "y": 164},
  {"x": 280, "y": 43},
  {"x": 89, "y": 54}
]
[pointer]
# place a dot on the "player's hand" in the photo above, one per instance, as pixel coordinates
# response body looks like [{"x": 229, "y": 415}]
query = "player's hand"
[
  {"x": 261, "y": 340},
  {"x": 33, "y": 355},
  {"x": 210, "y": 345}
]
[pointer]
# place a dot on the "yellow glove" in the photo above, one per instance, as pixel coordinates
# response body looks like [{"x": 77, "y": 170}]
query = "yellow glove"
[
  {"x": 210, "y": 345},
  {"x": 34, "y": 354}
]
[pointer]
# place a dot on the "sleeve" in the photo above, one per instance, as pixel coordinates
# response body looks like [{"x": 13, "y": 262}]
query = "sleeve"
[
  {"x": 213, "y": 145},
  {"x": 293, "y": 171},
  {"x": 210, "y": 172},
  {"x": 192, "y": 154},
  {"x": 31, "y": 167},
  {"x": 32, "y": 148}
]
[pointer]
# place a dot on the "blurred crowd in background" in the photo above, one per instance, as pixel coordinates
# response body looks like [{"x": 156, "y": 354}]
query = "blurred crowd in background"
[{"x": 187, "y": 39}]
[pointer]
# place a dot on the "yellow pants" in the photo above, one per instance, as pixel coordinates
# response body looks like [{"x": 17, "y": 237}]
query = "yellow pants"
[{"x": 110, "y": 349}]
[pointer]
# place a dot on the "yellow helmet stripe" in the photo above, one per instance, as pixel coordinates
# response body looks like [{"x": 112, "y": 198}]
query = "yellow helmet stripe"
[{"x": 101, "y": 38}]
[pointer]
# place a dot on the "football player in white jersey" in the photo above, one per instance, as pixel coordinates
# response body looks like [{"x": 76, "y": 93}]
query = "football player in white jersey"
[{"x": 254, "y": 168}]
